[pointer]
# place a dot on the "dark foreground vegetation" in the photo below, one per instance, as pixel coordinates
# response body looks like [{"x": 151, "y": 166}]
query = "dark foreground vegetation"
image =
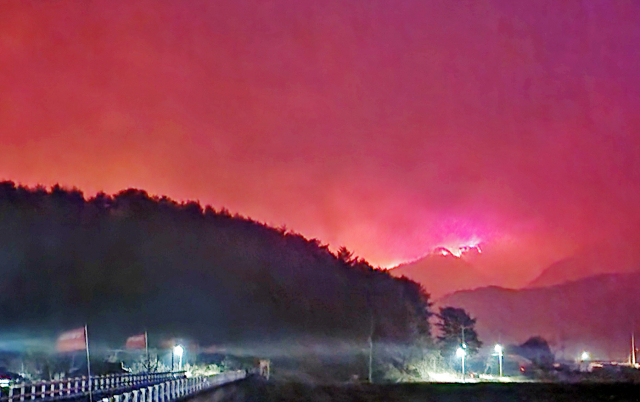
[
  {"x": 257, "y": 390},
  {"x": 130, "y": 262}
]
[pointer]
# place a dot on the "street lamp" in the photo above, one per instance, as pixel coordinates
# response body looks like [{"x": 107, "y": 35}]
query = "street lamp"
[
  {"x": 585, "y": 356},
  {"x": 499, "y": 352},
  {"x": 178, "y": 350},
  {"x": 461, "y": 353}
]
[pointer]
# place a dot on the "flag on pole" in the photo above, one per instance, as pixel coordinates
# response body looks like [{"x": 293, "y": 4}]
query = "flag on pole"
[
  {"x": 137, "y": 342},
  {"x": 71, "y": 341}
]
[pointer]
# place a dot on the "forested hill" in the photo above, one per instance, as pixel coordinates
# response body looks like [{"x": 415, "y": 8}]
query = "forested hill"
[{"x": 130, "y": 262}]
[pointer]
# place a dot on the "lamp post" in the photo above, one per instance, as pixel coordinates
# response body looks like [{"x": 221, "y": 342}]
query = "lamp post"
[
  {"x": 461, "y": 353},
  {"x": 178, "y": 350},
  {"x": 499, "y": 352},
  {"x": 584, "y": 360},
  {"x": 585, "y": 356}
]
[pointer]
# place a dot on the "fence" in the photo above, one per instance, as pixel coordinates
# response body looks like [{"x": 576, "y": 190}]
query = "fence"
[
  {"x": 76, "y": 387},
  {"x": 175, "y": 389}
]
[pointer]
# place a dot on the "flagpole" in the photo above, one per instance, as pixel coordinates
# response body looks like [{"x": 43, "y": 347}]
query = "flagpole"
[
  {"x": 86, "y": 343},
  {"x": 146, "y": 347}
]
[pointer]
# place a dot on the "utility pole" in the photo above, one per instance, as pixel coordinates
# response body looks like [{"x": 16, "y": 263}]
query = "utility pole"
[
  {"x": 499, "y": 351},
  {"x": 371, "y": 329},
  {"x": 633, "y": 349}
]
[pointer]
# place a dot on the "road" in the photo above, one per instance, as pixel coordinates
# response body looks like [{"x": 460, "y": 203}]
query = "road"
[{"x": 258, "y": 390}]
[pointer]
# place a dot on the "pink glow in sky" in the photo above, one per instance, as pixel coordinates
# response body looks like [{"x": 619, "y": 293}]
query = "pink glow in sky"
[{"x": 391, "y": 127}]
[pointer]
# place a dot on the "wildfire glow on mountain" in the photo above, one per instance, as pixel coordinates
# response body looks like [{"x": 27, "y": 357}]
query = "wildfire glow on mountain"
[{"x": 457, "y": 252}]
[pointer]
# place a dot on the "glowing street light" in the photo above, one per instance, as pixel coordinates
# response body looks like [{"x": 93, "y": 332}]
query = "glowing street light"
[
  {"x": 499, "y": 352},
  {"x": 585, "y": 356},
  {"x": 178, "y": 351},
  {"x": 461, "y": 353}
]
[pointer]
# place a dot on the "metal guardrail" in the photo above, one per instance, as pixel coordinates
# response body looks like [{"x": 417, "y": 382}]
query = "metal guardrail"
[
  {"x": 69, "y": 388},
  {"x": 176, "y": 389}
]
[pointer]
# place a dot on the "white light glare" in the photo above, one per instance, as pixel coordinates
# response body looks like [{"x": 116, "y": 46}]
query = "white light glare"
[{"x": 178, "y": 350}]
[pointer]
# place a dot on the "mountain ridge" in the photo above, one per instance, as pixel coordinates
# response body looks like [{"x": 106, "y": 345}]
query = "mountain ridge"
[
  {"x": 581, "y": 265},
  {"x": 596, "y": 313},
  {"x": 442, "y": 274}
]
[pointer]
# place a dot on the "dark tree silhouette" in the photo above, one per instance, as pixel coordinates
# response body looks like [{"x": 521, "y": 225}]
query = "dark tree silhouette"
[
  {"x": 535, "y": 349},
  {"x": 346, "y": 256},
  {"x": 132, "y": 261},
  {"x": 456, "y": 328}
]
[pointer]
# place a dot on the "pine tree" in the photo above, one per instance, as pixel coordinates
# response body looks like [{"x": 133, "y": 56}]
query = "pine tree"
[{"x": 457, "y": 328}]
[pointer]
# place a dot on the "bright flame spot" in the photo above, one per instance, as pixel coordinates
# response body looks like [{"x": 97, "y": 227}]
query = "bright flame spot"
[{"x": 457, "y": 252}]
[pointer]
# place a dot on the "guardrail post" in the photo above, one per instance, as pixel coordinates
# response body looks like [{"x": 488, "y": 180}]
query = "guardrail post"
[
  {"x": 22, "y": 393},
  {"x": 33, "y": 392}
]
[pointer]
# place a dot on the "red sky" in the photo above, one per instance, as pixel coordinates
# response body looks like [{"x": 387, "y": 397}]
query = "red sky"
[{"x": 391, "y": 127}]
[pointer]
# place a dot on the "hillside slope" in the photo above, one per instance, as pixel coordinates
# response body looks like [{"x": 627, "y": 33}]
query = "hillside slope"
[
  {"x": 131, "y": 262},
  {"x": 598, "y": 260},
  {"x": 442, "y": 274},
  {"x": 595, "y": 314}
]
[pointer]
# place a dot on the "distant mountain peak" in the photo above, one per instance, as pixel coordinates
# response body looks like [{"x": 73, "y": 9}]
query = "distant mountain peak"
[
  {"x": 443, "y": 271},
  {"x": 584, "y": 264},
  {"x": 595, "y": 312}
]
